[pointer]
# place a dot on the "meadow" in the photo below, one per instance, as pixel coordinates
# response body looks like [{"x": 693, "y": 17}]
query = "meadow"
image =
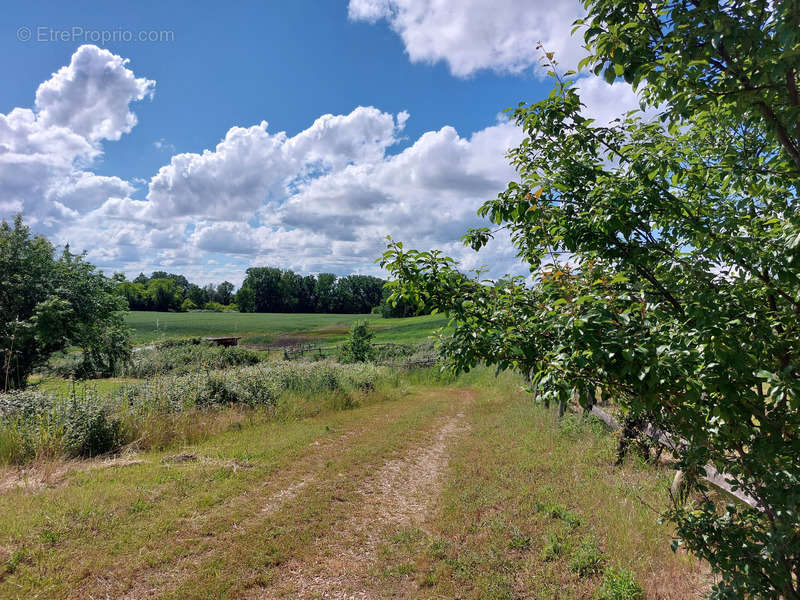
[
  {"x": 266, "y": 328},
  {"x": 210, "y": 472},
  {"x": 390, "y": 484}
]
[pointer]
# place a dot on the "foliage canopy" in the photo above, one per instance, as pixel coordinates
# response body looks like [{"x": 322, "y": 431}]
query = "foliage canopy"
[
  {"x": 49, "y": 304},
  {"x": 665, "y": 261}
]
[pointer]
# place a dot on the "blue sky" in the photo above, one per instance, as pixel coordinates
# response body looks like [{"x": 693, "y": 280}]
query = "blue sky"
[{"x": 109, "y": 155}]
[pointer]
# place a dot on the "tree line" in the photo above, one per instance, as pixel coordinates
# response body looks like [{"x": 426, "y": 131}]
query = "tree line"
[
  {"x": 265, "y": 289},
  {"x": 269, "y": 289},
  {"x": 164, "y": 291}
]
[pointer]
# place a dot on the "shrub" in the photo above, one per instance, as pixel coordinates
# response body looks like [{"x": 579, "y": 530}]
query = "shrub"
[
  {"x": 187, "y": 304},
  {"x": 358, "y": 347},
  {"x": 179, "y": 358},
  {"x": 88, "y": 429},
  {"x": 253, "y": 386},
  {"x": 34, "y": 423}
]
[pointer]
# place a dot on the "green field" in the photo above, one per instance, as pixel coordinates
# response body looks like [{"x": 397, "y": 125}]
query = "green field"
[{"x": 266, "y": 328}]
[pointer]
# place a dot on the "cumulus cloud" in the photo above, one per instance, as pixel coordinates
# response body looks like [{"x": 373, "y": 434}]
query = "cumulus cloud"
[
  {"x": 427, "y": 195},
  {"x": 605, "y": 102},
  {"x": 321, "y": 200},
  {"x": 251, "y": 165},
  {"x": 472, "y": 35},
  {"x": 90, "y": 96},
  {"x": 44, "y": 152}
]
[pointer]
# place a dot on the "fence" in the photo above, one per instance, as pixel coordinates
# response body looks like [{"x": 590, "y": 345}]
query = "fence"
[{"x": 712, "y": 475}]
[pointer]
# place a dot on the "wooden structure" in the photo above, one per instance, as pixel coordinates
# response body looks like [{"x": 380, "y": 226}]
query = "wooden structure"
[
  {"x": 716, "y": 478},
  {"x": 224, "y": 341}
]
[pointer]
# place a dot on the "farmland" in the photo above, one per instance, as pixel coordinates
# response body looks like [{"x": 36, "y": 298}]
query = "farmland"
[{"x": 265, "y": 328}]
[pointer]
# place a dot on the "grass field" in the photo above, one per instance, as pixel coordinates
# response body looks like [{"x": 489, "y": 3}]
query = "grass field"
[
  {"x": 264, "y": 328},
  {"x": 424, "y": 490}
]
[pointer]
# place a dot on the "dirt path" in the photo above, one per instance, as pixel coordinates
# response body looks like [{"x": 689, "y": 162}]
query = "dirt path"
[
  {"x": 400, "y": 493},
  {"x": 373, "y": 475}
]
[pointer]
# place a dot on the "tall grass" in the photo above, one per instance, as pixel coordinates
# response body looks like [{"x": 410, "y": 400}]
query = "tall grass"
[
  {"x": 169, "y": 408},
  {"x": 175, "y": 357}
]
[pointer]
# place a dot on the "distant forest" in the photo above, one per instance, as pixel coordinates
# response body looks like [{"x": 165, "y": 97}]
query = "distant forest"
[{"x": 265, "y": 289}]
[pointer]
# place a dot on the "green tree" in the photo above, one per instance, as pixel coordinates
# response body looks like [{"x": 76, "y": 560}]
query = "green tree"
[
  {"x": 135, "y": 294},
  {"x": 665, "y": 263},
  {"x": 358, "y": 347},
  {"x": 246, "y": 299},
  {"x": 164, "y": 294},
  {"x": 324, "y": 292},
  {"x": 197, "y": 295},
  {"x": 48, "y": 304},
  {"x": 225, "y": 292}
]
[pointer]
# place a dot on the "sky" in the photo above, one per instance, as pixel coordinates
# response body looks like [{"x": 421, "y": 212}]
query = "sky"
[{"x": 205, "y": 138}]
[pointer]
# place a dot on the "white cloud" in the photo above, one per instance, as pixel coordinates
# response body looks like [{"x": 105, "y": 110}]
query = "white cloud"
[
  {"x": 90, "y": 96},
  {"x": 471, "y": 35},
  {"x": 83, "y": 191},
  {"x": 251, "y": 165},
  {"x": 44, "y": 152},
  {"x": 605, "y": 102},
  {"x": 427, "y": 195},
  {"x": 323, "y": 199}
]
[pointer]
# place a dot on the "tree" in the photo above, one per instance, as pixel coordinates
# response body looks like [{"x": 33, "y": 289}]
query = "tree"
[
  {"x": 181, "y": 283},
  {"x": 290, "y": 291},
  {"x": 308, "y": 299},
  {"x": 398, "y": 307},
  {"x": 48, "y": 304},
  {"x": 265, "y": 283},
  {"x": 664, "y": 258},
  {"x": 164, "y": 294},
  {"x": 246, "y": 299},
  {"x": 324, "y": 292},
  {"x": 225, "y": 292},
  {"x": 197, "y": 295},
  {"x": 135, "y": 295},
  {"x": 358, "y": 347}
]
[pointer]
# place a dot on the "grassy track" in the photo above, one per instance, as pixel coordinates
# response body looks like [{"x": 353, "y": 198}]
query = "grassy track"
[
  {"x": 432, "y": 491},
  {"x": 262, "y": 328}
]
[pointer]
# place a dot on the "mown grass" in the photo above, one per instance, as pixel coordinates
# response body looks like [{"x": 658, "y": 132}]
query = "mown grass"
[
  {"x": 535, "y": 508},
  {"x": 263, "y": 328}
]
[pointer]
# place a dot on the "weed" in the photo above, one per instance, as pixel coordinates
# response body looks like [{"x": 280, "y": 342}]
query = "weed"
[
  {"x": 587, "y": 558},
  {"x": 554, "y": 546},
  {"x": 619, "y": 584},
  {"x": 520, "y": 541}
]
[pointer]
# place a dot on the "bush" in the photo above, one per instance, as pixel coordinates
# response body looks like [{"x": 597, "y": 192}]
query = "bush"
[
  {"x": 253, "y": 386},
  {"x": 191, "y": 355},
  {"x": 187, "y": 305},
  {"x": 34, "y": 423},
  {"x": 217, "y": 307},
  {"x": 358, "y": 347},
  {"x": 89, "y": 430}
]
